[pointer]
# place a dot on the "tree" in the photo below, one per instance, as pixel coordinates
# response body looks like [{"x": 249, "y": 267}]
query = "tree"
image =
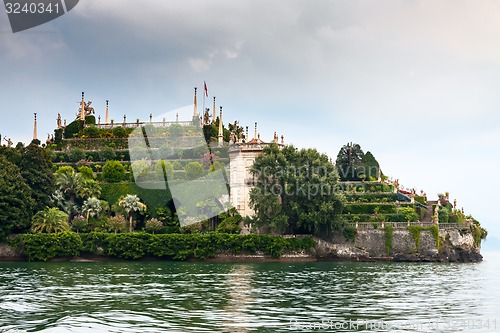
[
  {"x": 349, "y": 162},
  {"x": 15, "y": 199},
  {"x": 69, "y": 182},
  {"x": 50, "y": 220},
  {"x": 11, "y": 154},
  {"x": 113, "y": 171},
  {"x": 295, "y": 192},
  {"x": 88, "y": 188},
  {"x": 132, "y": 203},
  {"x": 372, "y": 168},
  {"x": 36, "y": 169},
  {"x": 194, "y": 170},
  {"x": 91, "y": 207}
]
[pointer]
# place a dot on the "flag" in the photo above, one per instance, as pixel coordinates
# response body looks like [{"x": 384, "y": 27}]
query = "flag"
[{"x": 206, "y": 89}]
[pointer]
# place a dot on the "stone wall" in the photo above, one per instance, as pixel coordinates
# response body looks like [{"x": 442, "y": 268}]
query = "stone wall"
[{"x": 370, "y": 244}]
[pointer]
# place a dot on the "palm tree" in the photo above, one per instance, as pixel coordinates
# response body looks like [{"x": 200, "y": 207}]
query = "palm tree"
[
  {"x": 92, "y": 207},
  {"x": 131, "y": 203},
  {"x": 50, "y": 220},
  {"x": 88, "y": 188},
  {"x": 69, "y": 183}
]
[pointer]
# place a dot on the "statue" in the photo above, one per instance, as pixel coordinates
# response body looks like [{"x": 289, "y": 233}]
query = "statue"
[
  {"x": 9, "y": 142},
  {"x": 59, "y": 122},
  {"x": 206, "y": 117},
  {"x": 87, "y": 108},
  {"x": 275, "y": 137}
]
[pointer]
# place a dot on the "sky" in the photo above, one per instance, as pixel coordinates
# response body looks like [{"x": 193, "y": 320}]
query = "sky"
[{"x": 414, "y": 82}]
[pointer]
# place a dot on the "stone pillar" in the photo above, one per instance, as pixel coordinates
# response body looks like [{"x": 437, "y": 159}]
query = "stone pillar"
[
  {"x": 214, "y": 115},
  {"x": 106, "y": 119},
  {"x": 35, "y": 130},
  {"x": 221, "y": 131}
]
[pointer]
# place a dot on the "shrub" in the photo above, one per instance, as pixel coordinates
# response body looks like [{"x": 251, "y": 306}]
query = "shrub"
[
  {"x": 349, "y": 233},
  {"x": 153, "y": 225},
  {"x": 194, "y": 170},
  {"x": 91, "y": 132},
  {"x": 76, "y": 154},
  {"x": 230, "y": 225},
  {"x": 113, "y": 172},
  {"x": 117, "y": 224},
  {"x": 106, "y": 154},
  {"x": 47, "y": 246},
  {"x": 78, "y": 224},
  {"x": 119, "y": 132}
]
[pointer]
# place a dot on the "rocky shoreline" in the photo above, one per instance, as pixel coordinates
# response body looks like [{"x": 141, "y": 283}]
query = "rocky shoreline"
[{"x": 369, "y": 246}]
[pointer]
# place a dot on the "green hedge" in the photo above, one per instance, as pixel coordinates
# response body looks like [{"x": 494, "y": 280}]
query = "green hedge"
[
  {"x": 361, "y": 187},
  {"x": 371, "y": 197},
  {"x": 154, "y": 199},
  {"x": 379, "y": 217},
  {"x": 167, "y": 246},
  {"x": 42, "y": 247},
  {"x": 369, "y": 208}
]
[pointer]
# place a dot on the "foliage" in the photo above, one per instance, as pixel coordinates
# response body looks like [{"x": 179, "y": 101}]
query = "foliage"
[
  {"x": 36, "y": 169},
  {"x": 435, "y": 233},
  {"x": 76, "y": 154},
  {"x": 79, "y": 224},
  {"x": 106, "y": 154},
  {"x": 92, "y": 207},
  {"x": 42, "y": 247},
  {"x": 295, "y": 192},
  {"x": 415, "y": 232},
  {"x": 88, "y": 188},
  {"x": 73, "y": 128},
  {"x": 117, "y": 224},
  {"x": 230, "y": 225},
  {"x": 349, "y": 233},
  {"x": 15, "y": 199},
  {"x": 113, "y": 171},
  {"x": 371, "y": 197},
  {"x": 131, "y": 203},
  {"x": 408, "y": 213},
  {"x": 153, "y": 225},
  {"x": 478, "y": 233},
  {"x": 354, "y": 165},
  {"x": 389, "y": 230},
  {"x": 194, "y": 170},
  {"x": 186, "y": 246},
  {"x": 371, "y": 166},
  {"x": 50, "y": 220},
  {"x": 86, "y": 172},
  {"x": 444, "y": 213},
  {"x": 69, "y": 182}
]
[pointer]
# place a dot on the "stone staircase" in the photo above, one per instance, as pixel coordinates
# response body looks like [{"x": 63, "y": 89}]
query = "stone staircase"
[{"x": 428, "y": 213}]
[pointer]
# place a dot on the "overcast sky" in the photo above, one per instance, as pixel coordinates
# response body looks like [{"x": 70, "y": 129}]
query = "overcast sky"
[{"x": 414, "y": 82}]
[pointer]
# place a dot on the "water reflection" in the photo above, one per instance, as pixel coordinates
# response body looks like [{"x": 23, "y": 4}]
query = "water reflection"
[
  {"x": 239, "y": 284},
  {"x": 267, "y": 297}
]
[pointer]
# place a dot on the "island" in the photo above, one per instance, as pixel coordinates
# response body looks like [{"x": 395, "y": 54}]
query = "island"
[{"x": 199, "y": 189}]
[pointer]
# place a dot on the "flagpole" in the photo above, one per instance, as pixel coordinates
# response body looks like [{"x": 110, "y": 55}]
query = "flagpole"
[{"x": 204, "y": 94}]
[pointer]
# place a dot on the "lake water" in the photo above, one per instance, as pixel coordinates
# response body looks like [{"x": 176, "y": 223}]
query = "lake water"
[{"x": 253, "y": 297}]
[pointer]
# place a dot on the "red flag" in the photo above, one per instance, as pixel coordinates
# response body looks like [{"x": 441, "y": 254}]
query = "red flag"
[{"x": 206, "y": 89}]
